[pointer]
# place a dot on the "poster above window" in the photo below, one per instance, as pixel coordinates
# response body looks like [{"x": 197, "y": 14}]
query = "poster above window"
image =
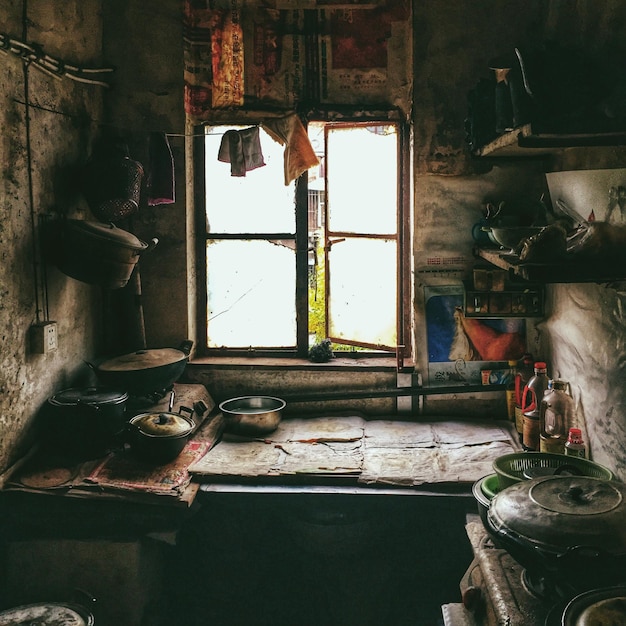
[{"x": 306, "y": 51}]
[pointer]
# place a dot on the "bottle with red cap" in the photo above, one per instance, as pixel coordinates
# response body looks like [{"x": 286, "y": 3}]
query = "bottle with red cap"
[
  {"x": 531, "y": 403},
  {"x": 575, "y": 446}
]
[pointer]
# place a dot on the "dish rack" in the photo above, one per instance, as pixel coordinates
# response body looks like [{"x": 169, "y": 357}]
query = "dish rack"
[{"x": 510, "y": 468}]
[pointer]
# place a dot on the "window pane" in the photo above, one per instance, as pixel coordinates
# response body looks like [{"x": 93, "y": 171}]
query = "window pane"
[
  {"x": 363, "y": 291},
  {"x": 258, "y": 202},
  {"x": 362, "y": 179},
  {"x": 251, "y": 294}
]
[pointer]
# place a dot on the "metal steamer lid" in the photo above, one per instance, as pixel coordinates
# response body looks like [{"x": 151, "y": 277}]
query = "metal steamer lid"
[
  {"x": 46, "y": 614},
  {"x": 557, "y": 513},
  {"x": 93, "y": 396},
  {"x": 143, "y": 359},
  {"x": 163, "y": 424},
  {"x": 109, "y": 233}
]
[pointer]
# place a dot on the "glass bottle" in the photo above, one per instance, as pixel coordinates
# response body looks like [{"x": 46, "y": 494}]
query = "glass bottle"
[
  {"x": 510, "y": 391},
  {"x": 531, "y": 400},
  {"x": 575, "y": 446},
  {"x": 557, "y": 414},
  {"x": 523, "y": 374}
]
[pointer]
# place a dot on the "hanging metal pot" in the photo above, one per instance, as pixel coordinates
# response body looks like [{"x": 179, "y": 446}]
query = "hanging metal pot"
[
  {"x": 572, "y": 529},
  {"x": 99, "y": 254}
]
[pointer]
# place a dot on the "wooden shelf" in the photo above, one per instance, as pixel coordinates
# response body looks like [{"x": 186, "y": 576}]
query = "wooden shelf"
[
  {"x": 568, "y": 271},
  {"x": 524, "y": 142},
  {"x": 514, "y": 300}
]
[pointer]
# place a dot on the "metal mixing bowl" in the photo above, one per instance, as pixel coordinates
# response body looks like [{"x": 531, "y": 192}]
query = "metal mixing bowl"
[
  {"x": 252, "y": 415},
  {"x": 511, "y": 237}
]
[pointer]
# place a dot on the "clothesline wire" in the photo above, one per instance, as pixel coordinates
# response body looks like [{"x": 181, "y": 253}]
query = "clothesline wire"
[{"x": 91, "y": 120}]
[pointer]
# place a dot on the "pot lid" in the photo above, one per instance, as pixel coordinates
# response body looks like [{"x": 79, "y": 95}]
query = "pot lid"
[
  {"x": 163, "y": 424},
  {"x": 606, "y": 607},
  {"x": 94, "y": 396},
  {"x": 108, "y": 232},
  {"x": 46, "y": 614},
  {"x": 142, "y": 360},
  {"x": 558, "y": 513}
]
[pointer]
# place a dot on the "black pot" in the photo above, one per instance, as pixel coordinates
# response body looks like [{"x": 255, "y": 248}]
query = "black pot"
[
  {"x": 144, "y": 372},
  {"x": 158, "y": 438},
  {"x": 85, "y": 421},
  {"x": 569, "y": 529}
]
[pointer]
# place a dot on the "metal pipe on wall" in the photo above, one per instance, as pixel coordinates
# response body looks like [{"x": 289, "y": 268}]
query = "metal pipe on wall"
[{"x": 389, "y": 393}]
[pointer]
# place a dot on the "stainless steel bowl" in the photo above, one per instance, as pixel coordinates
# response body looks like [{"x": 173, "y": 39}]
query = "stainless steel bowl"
[
  {"x": 511, "y": 237},
  {"x": 252, "y": 415}
]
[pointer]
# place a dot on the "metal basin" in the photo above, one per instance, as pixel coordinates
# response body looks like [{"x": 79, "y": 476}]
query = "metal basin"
[
  {"x": 512, "y": 237},
  {"x": 252, "y": 415}
]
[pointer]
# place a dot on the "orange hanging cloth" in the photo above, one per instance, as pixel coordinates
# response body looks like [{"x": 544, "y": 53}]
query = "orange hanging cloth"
[{"x": 290, "y": 132}]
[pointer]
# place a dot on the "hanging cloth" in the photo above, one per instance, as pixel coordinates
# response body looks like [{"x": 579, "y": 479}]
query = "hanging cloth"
[
  {"x": 242, "y": 149},
  {"x": 160, "y": 184},
  {"x": 290, "y": 132}
]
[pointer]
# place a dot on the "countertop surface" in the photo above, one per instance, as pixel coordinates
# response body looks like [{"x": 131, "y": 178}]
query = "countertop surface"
[{"x": 353, "y": 450}]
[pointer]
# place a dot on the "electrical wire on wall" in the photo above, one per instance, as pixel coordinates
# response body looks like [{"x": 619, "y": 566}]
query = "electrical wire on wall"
[{"x": 39, "y": 283}]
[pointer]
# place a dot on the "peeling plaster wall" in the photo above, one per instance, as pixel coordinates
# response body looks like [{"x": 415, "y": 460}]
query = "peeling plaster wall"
[
  {"x": 582, "y": 337},
  {"x": 59, "y": 133}
]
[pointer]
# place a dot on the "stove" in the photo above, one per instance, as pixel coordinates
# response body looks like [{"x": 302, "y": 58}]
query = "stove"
[{"x": 496, "y": 591}]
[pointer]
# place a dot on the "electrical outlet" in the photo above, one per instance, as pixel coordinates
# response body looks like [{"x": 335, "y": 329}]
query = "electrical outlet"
[{"x": 43, "y": 337}]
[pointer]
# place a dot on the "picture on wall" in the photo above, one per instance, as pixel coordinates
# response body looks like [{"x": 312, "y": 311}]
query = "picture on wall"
[{"x": 460, "y": 347}]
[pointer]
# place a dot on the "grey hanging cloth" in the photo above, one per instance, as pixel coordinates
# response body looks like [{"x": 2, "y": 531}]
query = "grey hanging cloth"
[
  {"x": 160, "y": 183},
  {"x": 242, "y": 149}
]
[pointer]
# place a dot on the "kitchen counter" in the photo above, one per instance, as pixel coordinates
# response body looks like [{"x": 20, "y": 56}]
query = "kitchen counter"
[
  {"x": 48, "y": 493},
  {"x": 313, "y": 454},
  {"x": 357, "y": 452}
]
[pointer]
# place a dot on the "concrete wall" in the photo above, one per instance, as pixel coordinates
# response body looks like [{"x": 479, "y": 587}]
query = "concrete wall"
[
  {"x": 41, "y": 146},
  {"x": 582, "y": 337}
]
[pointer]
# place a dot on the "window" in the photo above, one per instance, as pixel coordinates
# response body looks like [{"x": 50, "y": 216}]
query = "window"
[{"x": 285, "y": 266}]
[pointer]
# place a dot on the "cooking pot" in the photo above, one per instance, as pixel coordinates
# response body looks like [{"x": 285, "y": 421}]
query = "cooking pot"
[
  {"x": 47, "y": 614},
  {"x": 144, "y": 372},
  {"x": 85, "y": 421},
  {"x": 252, "y": 415},
  {"x": 483, "y": 491},
  {"x": 98, "y": 253},
  {"x": 572, "y": 529},
  {"x": 602, "y": 607},
  {"x": 160, "y": 437}
]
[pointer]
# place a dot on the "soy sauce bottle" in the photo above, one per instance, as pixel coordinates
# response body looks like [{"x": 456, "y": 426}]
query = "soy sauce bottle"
[
  {"x": 531, "y": 401},
  {"x": 575, "y": 446}
]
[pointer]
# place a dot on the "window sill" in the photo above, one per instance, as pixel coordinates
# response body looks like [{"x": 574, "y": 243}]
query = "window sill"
[{"x": 338, "y": 364}]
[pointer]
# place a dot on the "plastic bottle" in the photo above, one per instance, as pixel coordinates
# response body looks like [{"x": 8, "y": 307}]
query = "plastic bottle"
[
  {"x": 557, "y": 414},
  {"x": 523, "y": 374},
  {"x": 575, "y": 446},
  {"x": 531, "y": 400}
]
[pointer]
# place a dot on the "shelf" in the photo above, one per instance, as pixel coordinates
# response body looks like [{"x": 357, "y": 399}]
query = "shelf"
[
  {"x": 512, "y": 301},
  {"x": 524, "y": 142},
  {"x": 569, "y": 271}
]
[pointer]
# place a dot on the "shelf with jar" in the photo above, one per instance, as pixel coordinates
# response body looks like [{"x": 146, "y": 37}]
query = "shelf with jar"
[{"x": 492, "y": 295}]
